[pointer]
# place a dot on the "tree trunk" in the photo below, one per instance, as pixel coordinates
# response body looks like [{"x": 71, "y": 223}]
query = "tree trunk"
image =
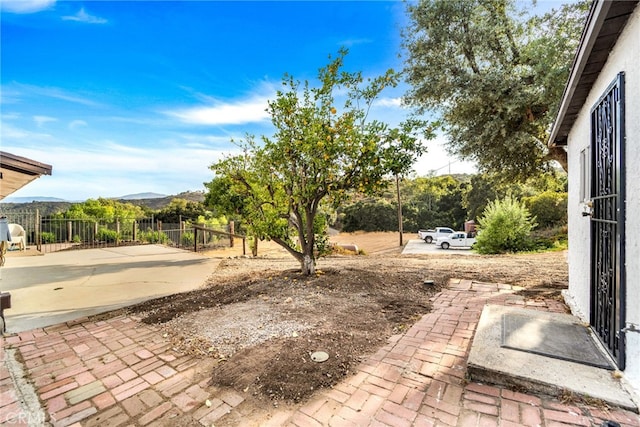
[
  {"x": 400, "y": 230},
  {"x": 254, "y": 247},
  {"x": 306, "y": 260},
  {"x": 308, "y": 265}
]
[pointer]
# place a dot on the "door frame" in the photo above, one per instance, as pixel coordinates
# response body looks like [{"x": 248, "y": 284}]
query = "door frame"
[{"x": 608, "y": 322}]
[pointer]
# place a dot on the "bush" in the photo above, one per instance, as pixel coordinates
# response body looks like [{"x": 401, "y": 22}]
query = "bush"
[
  {"x": 548, "y": 208},
  {"x": 106, "y": 235},
  {"x": 212, "y": 238},
  {"x": 150, "y": 236},
  {"x": 552, "y": 238},
  {"x": 47, "y": 237},
  {"x": 505, "y": 226},
  {"x": 188, "y": 238},
  {"x": 370, "y": 216}
]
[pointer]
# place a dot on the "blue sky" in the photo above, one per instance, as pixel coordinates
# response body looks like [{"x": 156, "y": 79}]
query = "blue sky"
[{"x": 128, "y": 97}]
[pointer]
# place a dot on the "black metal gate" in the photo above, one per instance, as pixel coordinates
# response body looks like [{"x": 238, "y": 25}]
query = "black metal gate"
[{"x": 608, "y": 220}]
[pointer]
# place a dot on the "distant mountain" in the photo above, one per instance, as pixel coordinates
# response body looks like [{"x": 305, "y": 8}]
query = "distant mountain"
[
  {"x": 50, "y": 205},
  {"x": 45, "y": 208},
  {"x": 158, "y": 203},
  {"x": 30, "y": 199},
  {"x": 141, "y": 196}
]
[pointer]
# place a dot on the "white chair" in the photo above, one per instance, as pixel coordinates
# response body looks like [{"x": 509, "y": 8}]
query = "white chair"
[{"x": 18, "y": 236}]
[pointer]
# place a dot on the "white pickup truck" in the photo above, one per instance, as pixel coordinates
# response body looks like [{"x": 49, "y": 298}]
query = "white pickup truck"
[
  {"x": 432, "y": 235},
  {"x": 459, "y": 239}
]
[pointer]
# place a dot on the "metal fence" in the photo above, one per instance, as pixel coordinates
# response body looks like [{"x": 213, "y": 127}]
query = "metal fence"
[
  {"x": 207, "y": 239},
  {"x": 30, "y": 221},
  {"x": 51, "y": 234}
]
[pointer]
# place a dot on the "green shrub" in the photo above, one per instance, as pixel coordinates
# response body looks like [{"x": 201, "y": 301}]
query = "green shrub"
[
  {"x": 187, "y": 238},
  {"x": 549, "y": 208},
  {"x": 106, "y": 235},
  {"x": 551, "y": 238},
  {"x": 76, "y": 239},
  {"x": 505, "y": 226},
  {"x": 377, "y": 215},
  {"x": 47, "y": 237},
  {"x": 150, "y": 236}
]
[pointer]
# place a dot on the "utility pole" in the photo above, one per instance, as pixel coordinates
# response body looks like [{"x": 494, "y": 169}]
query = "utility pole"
[{"x": 399, "y": 207}]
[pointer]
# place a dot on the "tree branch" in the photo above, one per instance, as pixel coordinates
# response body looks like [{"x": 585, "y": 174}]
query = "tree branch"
[
  {"x": 467, "y": 49},
  {"x": 559, "y": 154}
]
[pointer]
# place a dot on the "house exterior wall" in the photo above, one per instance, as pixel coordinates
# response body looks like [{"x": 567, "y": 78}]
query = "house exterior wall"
[{"x": 623, "y": 57}]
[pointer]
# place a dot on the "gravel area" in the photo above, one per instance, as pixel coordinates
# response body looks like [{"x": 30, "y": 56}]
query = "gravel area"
[{"x": 223, "y": 331}]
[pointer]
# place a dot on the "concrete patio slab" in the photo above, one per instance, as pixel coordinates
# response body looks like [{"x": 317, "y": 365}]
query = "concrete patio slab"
[
  {"x": 62, "y": 286},
  {"x": 491, "y": 363}
]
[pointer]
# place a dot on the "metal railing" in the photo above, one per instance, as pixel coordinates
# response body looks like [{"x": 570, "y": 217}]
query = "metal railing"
[
  {"x": 51, "y": 234},
  {"x": 30, "y": 221},
  {"x": 207, "y": 238}
]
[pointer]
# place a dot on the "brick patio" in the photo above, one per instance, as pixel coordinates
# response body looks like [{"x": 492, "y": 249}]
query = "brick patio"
[{"x": 123, "y": 372}]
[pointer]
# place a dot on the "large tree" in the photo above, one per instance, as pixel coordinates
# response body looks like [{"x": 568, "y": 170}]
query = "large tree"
[
  {"x": 494, "y": 75},
  {"x": 103, "y": 209},
  {"x": 181, "y": 210},
  {"x": 320, "y": 152}
]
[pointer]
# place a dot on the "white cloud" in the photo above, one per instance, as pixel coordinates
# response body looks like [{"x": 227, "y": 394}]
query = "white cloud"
[
  {"x": 389, "y": 102},
  {"x": 354, "y": 42},
  {"x": 8, "y": 132},
  {"x": 25, "y": 6},
  {"x": 13, "y": 132},
  {"x": 208, "y": 141},
  {"x": 11, "y": 116},
  {"x": 75, "y": 124},
  {"x": 42, "y": 120},
  {"x": 437, "y": 161},
  {"x": 133, "y": 120},
  {"x": 245, "y": 111},
  {"x": 18, "y": 91},
  {"x": 111, "y": 169},
  {"x": 9, "y": 95},
  {"x": 114, "y": 147},
  {"x": 83, "y": 16}
]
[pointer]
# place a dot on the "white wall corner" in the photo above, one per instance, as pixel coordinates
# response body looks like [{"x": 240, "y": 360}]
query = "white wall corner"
[
  {"x": 574, "y": 306},
  {"x": 631, "y": 375}
]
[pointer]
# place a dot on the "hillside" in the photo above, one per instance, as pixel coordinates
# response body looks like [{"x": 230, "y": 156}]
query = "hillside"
[
  {"x": 50, "y": 207},
  {"x": 158, "y": 203}
]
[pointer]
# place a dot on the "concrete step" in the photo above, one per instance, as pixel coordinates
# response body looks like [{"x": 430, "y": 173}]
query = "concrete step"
[{"x": 490, "y": 362}]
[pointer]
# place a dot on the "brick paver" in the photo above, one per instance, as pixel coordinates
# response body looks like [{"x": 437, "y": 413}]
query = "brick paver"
[
  {"x": 423, "y": 373},
  {"x": 103, "y": 373},
  {"x": 122, "y": 372}
]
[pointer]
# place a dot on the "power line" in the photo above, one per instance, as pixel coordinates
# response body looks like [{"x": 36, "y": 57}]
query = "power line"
[{"x": 445, "y": 166}]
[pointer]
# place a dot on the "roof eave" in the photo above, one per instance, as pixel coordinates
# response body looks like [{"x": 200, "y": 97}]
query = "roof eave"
[
  {"x": 16, "y": 172},
  {"x": 24, "y": 165}
]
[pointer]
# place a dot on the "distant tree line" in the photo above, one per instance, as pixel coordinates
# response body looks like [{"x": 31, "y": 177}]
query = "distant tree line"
[
  {"x": 451, "y": 200},
  {"x": 427, "y": 202}
]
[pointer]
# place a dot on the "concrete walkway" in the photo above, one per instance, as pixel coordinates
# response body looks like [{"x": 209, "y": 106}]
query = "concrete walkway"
[
  {"x": 420, "y": 247},
  {"x": 120, "y": 372},
  {"x": 61, "y": 286}
]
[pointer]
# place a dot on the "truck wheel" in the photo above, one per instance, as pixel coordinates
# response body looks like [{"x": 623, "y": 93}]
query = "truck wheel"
[
  {"x": 428, "y": 239},
  {"x": 445, "y": 245}
]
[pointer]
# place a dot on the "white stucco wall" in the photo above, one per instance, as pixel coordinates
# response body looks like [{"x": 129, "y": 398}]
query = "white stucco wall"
[{"x": 624, "y": 57}]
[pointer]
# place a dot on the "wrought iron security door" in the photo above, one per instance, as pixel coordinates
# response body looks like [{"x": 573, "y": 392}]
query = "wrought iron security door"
[{"x": 608, "y": 220}]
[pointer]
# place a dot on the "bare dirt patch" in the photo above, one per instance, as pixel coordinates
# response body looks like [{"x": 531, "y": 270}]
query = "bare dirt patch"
[{"x": 261, "y": 320}]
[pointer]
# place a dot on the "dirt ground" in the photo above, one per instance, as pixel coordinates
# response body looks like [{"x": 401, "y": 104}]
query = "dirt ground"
[{"x": 263, "y": 324}]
